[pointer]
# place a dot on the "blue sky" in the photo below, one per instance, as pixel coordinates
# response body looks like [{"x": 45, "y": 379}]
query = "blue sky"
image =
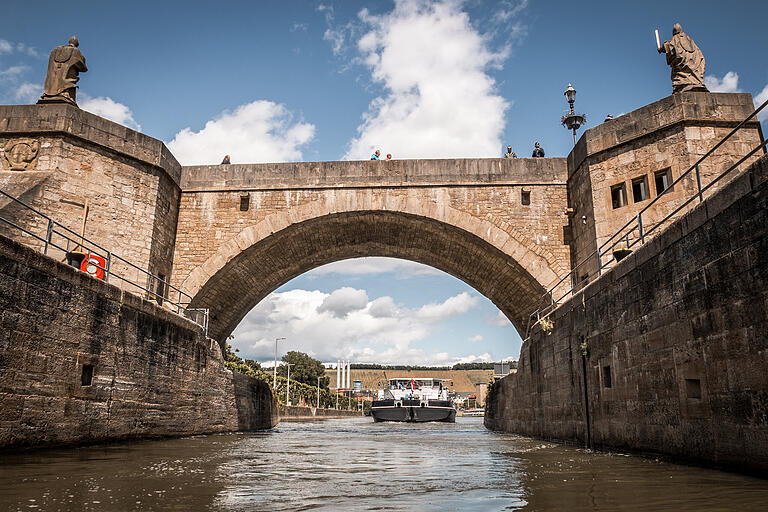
[{"x": 271, "y": 81}]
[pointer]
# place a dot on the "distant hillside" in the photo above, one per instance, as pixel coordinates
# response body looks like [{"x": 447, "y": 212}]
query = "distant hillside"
[{"x": 462, "y": 381}]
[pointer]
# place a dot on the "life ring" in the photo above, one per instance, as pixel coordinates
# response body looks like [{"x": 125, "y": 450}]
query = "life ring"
[{"x": 94, "y": 266}]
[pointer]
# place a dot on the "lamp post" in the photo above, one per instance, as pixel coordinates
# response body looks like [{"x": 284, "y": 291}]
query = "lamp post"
[
  {"x": 318, "y": 393},
  {"x": 274, "y": 382},
  {"x": 288, "y": 385},
  {"x": 571, "y": 120}
]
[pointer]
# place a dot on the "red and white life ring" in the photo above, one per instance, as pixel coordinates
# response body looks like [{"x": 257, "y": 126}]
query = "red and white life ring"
[{"x": 94, "y": 266}]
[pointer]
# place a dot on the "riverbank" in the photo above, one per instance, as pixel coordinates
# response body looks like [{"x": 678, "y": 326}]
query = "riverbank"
[{"x": 298, "y": 413}]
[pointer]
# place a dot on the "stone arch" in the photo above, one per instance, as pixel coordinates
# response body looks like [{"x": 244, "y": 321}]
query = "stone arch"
[{"x": 487, "y": 256}]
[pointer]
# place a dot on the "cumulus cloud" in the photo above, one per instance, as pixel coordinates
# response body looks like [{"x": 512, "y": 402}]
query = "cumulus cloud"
[
  {"x": 106, "y": 107},
  {"x": 499, "y": 320},
  {"x": 12, "y": 72},
  {"x": 343, "y": 301},
  {"x": 729, "y": 83},
  {"x": 400, "y": 269},
  {"x": 340, "y": 324},
  {"x": 476, "y": 338},
  {"x": 260, "y": 131},
  {"x": 27, "y": 92},
  {"x": 439, "y": 100}
]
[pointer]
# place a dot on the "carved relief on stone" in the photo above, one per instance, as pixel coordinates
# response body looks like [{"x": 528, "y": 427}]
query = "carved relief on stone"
[{"x": 21, "y": 154}]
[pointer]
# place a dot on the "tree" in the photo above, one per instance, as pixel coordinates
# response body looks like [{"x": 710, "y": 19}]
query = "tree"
[{"x": 306, "y": 369}]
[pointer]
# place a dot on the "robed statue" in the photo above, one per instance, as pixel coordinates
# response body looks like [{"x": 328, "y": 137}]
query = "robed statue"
[
  {"x": 64, "y": 66},
  {"x": 686, "y": 61}
]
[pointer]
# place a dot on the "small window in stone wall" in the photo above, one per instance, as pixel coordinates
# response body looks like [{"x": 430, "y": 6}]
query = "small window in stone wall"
[
  {"x": 245, "y": 202},
  {"x": 607, "y": 376},
  {"x": 693, "y": 388},
  {"x": 662, "y": 180},
  {"x": 525, "y": 197},
  {"x": 640, "y": 189},
  {"x": 618, "y": 196},
  {"x": 86, "y": 378}
]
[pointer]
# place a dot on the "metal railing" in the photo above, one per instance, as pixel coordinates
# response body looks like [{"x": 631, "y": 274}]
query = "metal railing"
[
  {"x": 635, "y": 230},
  {"x": 156, "y": 289}
]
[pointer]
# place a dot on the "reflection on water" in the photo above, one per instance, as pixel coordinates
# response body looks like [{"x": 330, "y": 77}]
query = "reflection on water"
[{"x": 354, "y": 464}]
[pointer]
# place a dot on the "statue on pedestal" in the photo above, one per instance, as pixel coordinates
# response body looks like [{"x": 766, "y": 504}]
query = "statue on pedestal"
[
  {"x": 685, "y": 59},
  {"x": 64, "y": 66}
]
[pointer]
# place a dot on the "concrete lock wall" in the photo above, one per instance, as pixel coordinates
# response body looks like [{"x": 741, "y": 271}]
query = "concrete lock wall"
[
  {"x": 677, "y": 340},
  {"x": 152, "y": 373}
]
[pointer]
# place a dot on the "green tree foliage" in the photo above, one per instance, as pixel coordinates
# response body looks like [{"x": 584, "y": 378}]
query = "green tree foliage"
[
  {"x": 305, "y": 370},
  {"x": 300, "y": 394}
]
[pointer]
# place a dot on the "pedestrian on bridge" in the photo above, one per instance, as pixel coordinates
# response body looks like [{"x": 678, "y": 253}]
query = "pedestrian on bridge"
[
  {"x": 510, "y": 153},
  {"x": 538, "y": 151},
  {"x": 226, "y": 160},
  {"x": 376, "y": 155}
]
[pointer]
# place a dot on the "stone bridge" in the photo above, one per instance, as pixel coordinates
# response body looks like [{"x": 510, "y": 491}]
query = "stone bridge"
[{"x": 244, "y": 230}]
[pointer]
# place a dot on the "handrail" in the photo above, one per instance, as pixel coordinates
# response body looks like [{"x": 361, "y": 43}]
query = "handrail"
[
  {"x": 89, "y": 248},
  {"x": 636, "y": 223}
]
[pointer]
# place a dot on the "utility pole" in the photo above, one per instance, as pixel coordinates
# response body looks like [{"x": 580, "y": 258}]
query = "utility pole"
[
  {"x": 318, "y": 393},
  {"x": 274, "y": 382}
]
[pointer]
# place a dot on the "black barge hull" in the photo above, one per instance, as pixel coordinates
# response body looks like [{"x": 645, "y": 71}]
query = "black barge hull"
[{"x": 389, "y": 410}]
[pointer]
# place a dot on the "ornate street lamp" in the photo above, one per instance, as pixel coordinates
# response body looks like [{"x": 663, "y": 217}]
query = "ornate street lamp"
[{"x": 572, "y": 120}]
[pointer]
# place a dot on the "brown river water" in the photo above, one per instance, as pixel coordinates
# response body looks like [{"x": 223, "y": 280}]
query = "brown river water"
[{"x": 354, "y": 464}]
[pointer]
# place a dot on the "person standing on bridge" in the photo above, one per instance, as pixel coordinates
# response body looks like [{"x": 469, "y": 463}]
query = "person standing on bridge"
[
  {"x": 510, "y": 153},
  {"x": 376, "y": 155},
  {"x": 538, "y": 151},
  {"x": 226, "y": 160},
  {"x": 389, "y": 157}
]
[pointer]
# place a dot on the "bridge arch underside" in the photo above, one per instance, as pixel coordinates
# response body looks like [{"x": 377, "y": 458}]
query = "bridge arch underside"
[{"x": 263, "y": 267}]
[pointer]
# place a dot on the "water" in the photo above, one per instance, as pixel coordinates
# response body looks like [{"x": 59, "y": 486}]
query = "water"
[{"x": 354, "y": 464}]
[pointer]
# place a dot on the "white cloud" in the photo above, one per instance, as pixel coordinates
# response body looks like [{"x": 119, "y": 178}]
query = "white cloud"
[
  {"x": 401, "y": 269},
  {"x": 499, "y": 320},
  {"x": 108, "y": 108},
  {"x": 439, "y": 101},
  {"x": 475, "y": 339},
  {"x": 339, "y": 324},
  {"x": 456, "y": 305},
  {"x": 344, "y": 301},
  {"x": 28, "y": 92},
  {"x": 8, "y": 47},
  {"x": 12, "y": 72},
  {"x": 298, "y": 27},
  {"x": 729, "y": 83},
  {"x": 260, "y": 131}
]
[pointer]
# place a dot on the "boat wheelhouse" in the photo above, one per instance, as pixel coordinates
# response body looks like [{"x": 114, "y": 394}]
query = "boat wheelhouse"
[{"x": 414, "y": 400}]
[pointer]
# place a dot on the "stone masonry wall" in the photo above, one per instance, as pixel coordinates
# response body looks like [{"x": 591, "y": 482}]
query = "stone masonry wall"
[
  {"x": 677, "y": 340},
  {"x": 668, "y": 135},
  {"x": 513, "y": 207},
  {"x": 129, "y": 179},
  {"x": 153, "y": 373}
]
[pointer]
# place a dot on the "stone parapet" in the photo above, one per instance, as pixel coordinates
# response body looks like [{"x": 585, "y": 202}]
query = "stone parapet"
[
  {"x": 64, "y": 119},
  {"x": 689, "y": 108},
  {"x": 411, "y": 173}
]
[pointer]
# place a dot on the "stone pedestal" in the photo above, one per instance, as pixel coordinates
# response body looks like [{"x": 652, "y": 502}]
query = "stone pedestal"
[
  {"x": 632, "y": 155},
  {"x": 56, "y": 156}
]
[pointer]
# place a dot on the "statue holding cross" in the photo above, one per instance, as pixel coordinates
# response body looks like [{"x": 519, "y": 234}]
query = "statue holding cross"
[{"x": 685, "y": 59}]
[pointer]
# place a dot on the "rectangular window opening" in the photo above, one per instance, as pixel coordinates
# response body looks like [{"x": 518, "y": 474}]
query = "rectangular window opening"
[
  {"x": 640, "y": 189},
  {"x": 618, "y": 196},
  {"x": 525, "y": 197},
  {"x": 607, "y": 376},
  {"x": 693, "y": 388},
  {"x": 86, "y": 379},
  {"x": 663, "y": 180},
  {"x": 245, "y": 202}
]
